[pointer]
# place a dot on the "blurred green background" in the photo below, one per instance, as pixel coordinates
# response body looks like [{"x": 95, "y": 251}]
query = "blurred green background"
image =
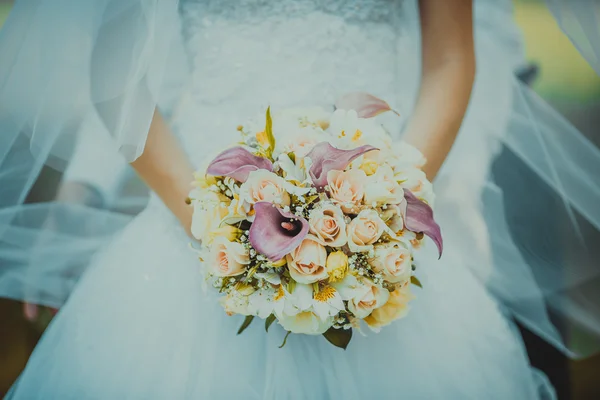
[{"x": 565, "y": 80}]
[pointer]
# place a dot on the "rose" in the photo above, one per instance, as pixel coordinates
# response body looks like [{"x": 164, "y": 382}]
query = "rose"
[
  {"x": 307, "y": 262},
  {"x": 404, "y": 156},
  {"x": 306, "y": 322},
  {"x": 328, "y": 226},
  {"x": 364, "y": 230},
  {"x": 347, "y": 188},
  {"x": 263, "y": 185},
  {"x": 337, "y": 266},
  {"x": 228, "y": 258},
  {"x": 396, "y": 307},
  {"x": 367, "y": 298},
  {"x": 416, "y": 181},
  {"x": 382, "y": 188},
  {"x": 209, "y": 212},
  {"x": 393, "y": 261}
]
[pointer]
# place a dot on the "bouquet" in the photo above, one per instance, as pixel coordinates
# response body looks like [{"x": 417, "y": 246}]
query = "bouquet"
[{"x": 312, "y": 221}]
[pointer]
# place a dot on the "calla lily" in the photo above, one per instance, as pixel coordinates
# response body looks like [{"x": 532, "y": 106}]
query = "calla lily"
[
  {"x": 419, "y": 218},
  {"x": 274, "y": 232},
  {"x": 237, "y": 163},
  {"x": 325, "y": 157},
  {"x": 365, "y": 104}
]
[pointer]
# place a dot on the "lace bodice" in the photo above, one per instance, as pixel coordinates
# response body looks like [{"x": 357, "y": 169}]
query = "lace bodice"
[{"x": 245, "y": 55}]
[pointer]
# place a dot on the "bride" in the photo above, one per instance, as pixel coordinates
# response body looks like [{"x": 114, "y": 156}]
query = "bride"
[{"x": 137, "y": 324}]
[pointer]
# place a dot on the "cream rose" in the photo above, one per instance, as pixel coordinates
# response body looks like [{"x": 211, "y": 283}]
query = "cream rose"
[
  {"x": 337, "y": 266},
  {"x": 228, "y": 258},
  {"x": 382, "y": 188},
  {"x": 347, "y": 188},
  {"x": 416, "y": 181},
  {"x": 367, "y": 298},
  {"x": 263, "y": 185},
  {"x": 364, "y": 230},
  {"x": 209, "y": 212},
  {"x": 328, "y": 226},
  {"x": 307, "y": 263},
  {"x": 395, "y": 308},
  {"x": 393, "y": 261}
]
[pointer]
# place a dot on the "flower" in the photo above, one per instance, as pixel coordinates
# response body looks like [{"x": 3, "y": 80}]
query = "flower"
[
  {"x": 382, "y": 188},
  {"x": 307, "y": 322},
  {"x": 228, "y": 258},
  {"x": 419, "y": 218},
  {"x": 393, "y": 261},
  {"x": 337, "y": 266},
  {"x": 347, "y": 188},
  {"x": 263, "y": 185},
  {"x": 235, "y": 303},
  {"x": 326, "y": 158},
  {"x": 364, "y": 104},
  {"x": 416, "y": 181},
  {"x": 301, "y": 143},
  {"x": 237, "y": 163},
  {"x": 266, "y": 301},
  {"x": 396, "y": 307},
  {"x": 228, "y": 232},
  {"x": 367, "y": 298},
  {"x": 364, "y": 230},
  {"x": 307, "y": 262},
  {"x": 209, "y": 212},
  {"x": 274, "y": 232},
  {"x": 404, "y": 156},
  {"x": 327, "y": 225}
]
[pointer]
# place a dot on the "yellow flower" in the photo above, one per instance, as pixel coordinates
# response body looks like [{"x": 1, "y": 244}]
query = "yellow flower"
[
  {"x": 369, "y": 166},
  {"x": 203, "y": 180},
  {"x": 229, "y": 232},
  {"x": 262, "y": 139},
  {"x": 396, "y": 307},
  {"x": 337, "y": 266}
]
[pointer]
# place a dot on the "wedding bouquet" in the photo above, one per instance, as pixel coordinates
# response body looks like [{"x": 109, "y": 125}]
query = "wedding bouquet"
[{"x": 312, "y": 221}]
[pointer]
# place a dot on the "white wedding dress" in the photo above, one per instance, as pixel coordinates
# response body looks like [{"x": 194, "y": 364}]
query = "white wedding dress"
[{"x": 139, "y": 326}]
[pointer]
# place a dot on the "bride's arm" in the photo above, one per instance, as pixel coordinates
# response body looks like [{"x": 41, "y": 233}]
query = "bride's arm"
[
  {"x": 448, "y": 71},
  {"x": 166, "y": 169}
]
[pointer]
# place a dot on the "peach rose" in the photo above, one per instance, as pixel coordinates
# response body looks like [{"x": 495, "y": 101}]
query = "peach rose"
[
  {"x": 228, "y": 258},
  {"x": 395, "y": 308},
  {"x": 263, "y": 185},
  {"x": 367, "y": 298},
  {"x": 364, "y": 230},
  {"x": 328, "y": 226},
  {"x": 307, "y": 264},
  {"x": 393, "y": 261},
  {"x": 347, "y": 188}
]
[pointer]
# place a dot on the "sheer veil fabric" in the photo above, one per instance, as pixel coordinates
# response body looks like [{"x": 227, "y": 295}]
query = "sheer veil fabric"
[{"x": 103, "y": 66}]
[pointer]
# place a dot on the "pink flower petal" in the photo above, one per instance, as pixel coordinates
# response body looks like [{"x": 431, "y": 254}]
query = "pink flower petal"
[
  {"x": 275, "y": 233},
  {"x": 419, "y": 218},
  {"x": 325, "y": 158},
  {"x": 237, "y": 163},
  {"x": 365, "y": 104}
]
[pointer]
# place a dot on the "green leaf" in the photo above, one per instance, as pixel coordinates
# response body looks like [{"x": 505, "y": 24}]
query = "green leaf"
[
  {"x": 292, "y": 156},
  {"x": 270, "y": 319},
  {"x": 269, "y": 133},
  {"x": 285, "y": 340},
  {"x": 338, "y": 337},
  {"x": 291, "y": 286},
  {"x": 415, "y": 281},
  {"x": 246, "y": 323}
]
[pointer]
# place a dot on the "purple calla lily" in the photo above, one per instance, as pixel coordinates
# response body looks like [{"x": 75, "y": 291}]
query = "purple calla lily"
[
  {"x": 237, "y": 163},
  {"x": 419, "y": 218},
  {"x": 366, "y": 105},
  {"x": 326, "y": 158},
  {"x": 274, "y": 232}
]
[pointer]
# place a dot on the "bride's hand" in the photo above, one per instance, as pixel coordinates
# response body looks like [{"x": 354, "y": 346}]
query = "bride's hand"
[
  {"x": 448, "y": 63},
  {"x": 166, "y": 169}
]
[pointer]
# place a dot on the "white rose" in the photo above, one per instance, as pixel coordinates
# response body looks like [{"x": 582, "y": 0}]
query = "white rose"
[
  {"x": 404, "y": 156},
  {"x": 327, "y": 225},
  {"x": 416, "y": 181},
  {"x": 367, "y": 298},
  {"x": 382, "y": 188},
  {"x": 263, "y": 185},
  {"x": 209, "y": 212},
  {"x": 393, "y": 261},
  {"x": 228, "y": 258},
  {"x": 364, "y": 230}
]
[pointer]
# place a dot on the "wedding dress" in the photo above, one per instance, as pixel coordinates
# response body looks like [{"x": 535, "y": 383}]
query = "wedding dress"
[{"x": 137, "y": 325}]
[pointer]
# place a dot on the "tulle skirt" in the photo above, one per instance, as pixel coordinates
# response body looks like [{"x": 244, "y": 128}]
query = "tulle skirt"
[{"x": 139, "y": 326}]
